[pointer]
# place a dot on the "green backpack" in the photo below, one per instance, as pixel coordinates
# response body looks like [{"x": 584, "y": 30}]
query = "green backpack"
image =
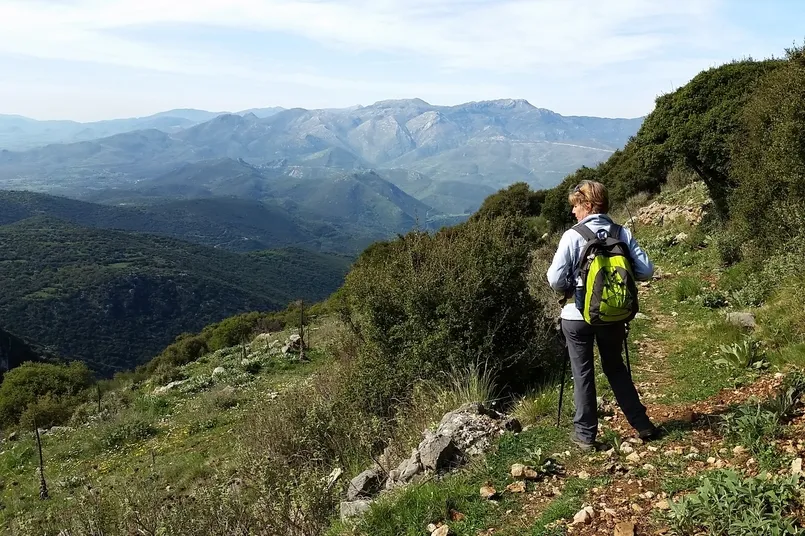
[{"x": 609, "y": 289}]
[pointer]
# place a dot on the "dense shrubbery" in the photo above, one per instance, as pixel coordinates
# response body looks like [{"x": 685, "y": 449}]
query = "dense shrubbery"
[
  {"x": 517, "y": 199},
  {"x": 425, "y": 304},
  {"x": 690, "y": 130},
  {"x": 46, "y": 391},
  {"x": 770, "y": 159}
]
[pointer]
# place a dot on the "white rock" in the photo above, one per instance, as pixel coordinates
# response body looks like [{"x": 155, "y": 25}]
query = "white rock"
[
  {"x": 796, "y": 467},
  {"x": 626, "y": 448},
  {"x": 444, "y": 530},
  {"x": 217, "y": 371},
  {"x": 633, "y": 457},
  {"x": 584, "y": 516}
]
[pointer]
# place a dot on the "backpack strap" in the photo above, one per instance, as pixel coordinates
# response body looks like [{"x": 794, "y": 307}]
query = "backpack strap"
[
  {"x": 615, "y": 231},
  {"x": 584, "y": 231}
]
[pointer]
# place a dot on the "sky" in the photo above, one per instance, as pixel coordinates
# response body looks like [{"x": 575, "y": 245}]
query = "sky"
[{"x": 89, "y": 60}]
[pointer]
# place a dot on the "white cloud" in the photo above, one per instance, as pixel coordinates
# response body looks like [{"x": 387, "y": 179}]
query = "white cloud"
[
  {"x": 498, "y": 36},
  {"x": 564, "y": 54}
]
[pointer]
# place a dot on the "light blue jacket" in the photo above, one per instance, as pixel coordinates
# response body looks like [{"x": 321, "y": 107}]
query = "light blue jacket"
[{"x": 563, "y": 275}]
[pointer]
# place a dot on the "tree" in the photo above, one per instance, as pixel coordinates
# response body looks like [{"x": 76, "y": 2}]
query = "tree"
[
  {"x": 425, "y": 304},
  {"x": 769, "y": 158},
  {"x": 695, "y": 125},
  {"x": 33, "y": 383},
  {"x": 517, "y": 199}
]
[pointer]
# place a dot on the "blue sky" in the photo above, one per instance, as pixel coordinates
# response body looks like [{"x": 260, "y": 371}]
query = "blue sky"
[{"x": 99, "y": 59}]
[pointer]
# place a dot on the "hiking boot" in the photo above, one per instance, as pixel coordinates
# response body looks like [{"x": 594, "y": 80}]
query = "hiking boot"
[
  {"x": 583, "y": 445},
  {"x": 649, "y": 434}
]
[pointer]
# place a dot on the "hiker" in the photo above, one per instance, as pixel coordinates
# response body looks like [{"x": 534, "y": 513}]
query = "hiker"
[{"x": 590, "y": 202}]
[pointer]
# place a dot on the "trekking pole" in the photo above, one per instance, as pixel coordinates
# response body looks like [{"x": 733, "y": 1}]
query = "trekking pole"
[
  {"x": 565, "y": 359},
  {"x": 626, "y": 350}
]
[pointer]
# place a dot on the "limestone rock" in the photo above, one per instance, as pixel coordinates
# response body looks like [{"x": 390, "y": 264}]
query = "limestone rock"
[
  {"x": 744, "y": 320},
  {"x": 625, "y": 528},
  {"x": 444, "y": 530},
  {"x": 349, "y": 509},
  {"x": 172, "y": 385},
  {"x": 530, "y": 474},
  {"x": 217, "y": 371},
  {"x": 409, "y": 468},
  {"x": 796, "y": 467},
  {"x": 633, "y": 458},
  {"x": 584, "y": 516},
  {"x": 488, "y": 492},
  {"x": 662, "y": 505},
  {"x": 516, "y": 487},
  {"x": 437, "y": 452},
  {"x": 517, "y": 471},
  {"x": 364, "y": 485}
]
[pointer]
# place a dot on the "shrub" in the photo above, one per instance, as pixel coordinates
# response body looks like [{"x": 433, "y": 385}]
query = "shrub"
[
  {"x": 311, "y": 426},
  {"x": 428, "y": 304},
  {"x": 185, "y": 349},
  {"x": 713, "y": 299},
  {"x": 24, "y": 385},
  {"x": 769, "y": 159},
  {"x": 517, "y": 199},
  {"x": 751, "y": 426},
  {"x": 728, "y": 247},
  {"x": 686, "y": 288},
  {"x": 120, "y": 433},
  {"x": 726, "y": 503},
  {"x": 47, "y": 411}
]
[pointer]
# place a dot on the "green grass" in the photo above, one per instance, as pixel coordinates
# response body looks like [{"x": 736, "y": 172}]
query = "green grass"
[{"x": 181, "y": 440}]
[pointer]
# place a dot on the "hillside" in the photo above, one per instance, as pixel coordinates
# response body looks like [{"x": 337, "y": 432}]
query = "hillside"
[
  {"x": 727, "y": 428},
  {"x": 15, "y": 351},
  {"x": 20, "y": 133},
  {"x": 226, "y": 222},
  {"x": 482, "y": 144},
  {"x": 114, "y": 299}
]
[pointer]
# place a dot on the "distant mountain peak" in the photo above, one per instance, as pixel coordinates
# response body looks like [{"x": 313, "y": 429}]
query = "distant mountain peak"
[
  {"x": 396, "y": 103},
  {"x": 506, "y": 104}
]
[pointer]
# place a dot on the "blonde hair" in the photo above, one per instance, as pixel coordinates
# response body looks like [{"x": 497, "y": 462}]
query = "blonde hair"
[{"x": 592, "y": 192}]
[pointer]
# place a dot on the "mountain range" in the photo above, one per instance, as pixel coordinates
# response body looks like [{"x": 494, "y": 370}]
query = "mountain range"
[
  {"x": 20, "y": 133},
  {"x": 119, "y": 235},
  {"x": 433, "y": 153}
]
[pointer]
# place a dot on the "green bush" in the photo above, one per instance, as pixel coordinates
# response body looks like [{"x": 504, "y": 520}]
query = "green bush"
[
  {"x": 517, "y": 199},
  {"x": 47, "y": 411},
  {"x": 769, "y": 157},
  {"x": 713, "y": 299},
  {"x": 426, "y": 304},
  {"x": 727, "y": 503},
  {"x": 24, "y": 385},
  {"x": 728, "y": 247},
  {"x": 751, "y": 426},
  {"x": 120, "y": 433},
  {"x": 686, "y": 288}
]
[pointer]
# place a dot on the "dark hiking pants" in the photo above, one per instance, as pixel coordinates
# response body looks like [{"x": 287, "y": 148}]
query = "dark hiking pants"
[{"x": 581, "y": 337}]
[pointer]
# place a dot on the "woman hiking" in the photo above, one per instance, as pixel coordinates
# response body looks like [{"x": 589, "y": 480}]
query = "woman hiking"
[{"x": 590, "y": 202}]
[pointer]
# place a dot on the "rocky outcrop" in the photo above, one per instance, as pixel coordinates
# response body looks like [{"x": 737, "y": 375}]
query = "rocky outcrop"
[
  {"x": 662, "y": 214},
  {"x": 460, "y": 435}
]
